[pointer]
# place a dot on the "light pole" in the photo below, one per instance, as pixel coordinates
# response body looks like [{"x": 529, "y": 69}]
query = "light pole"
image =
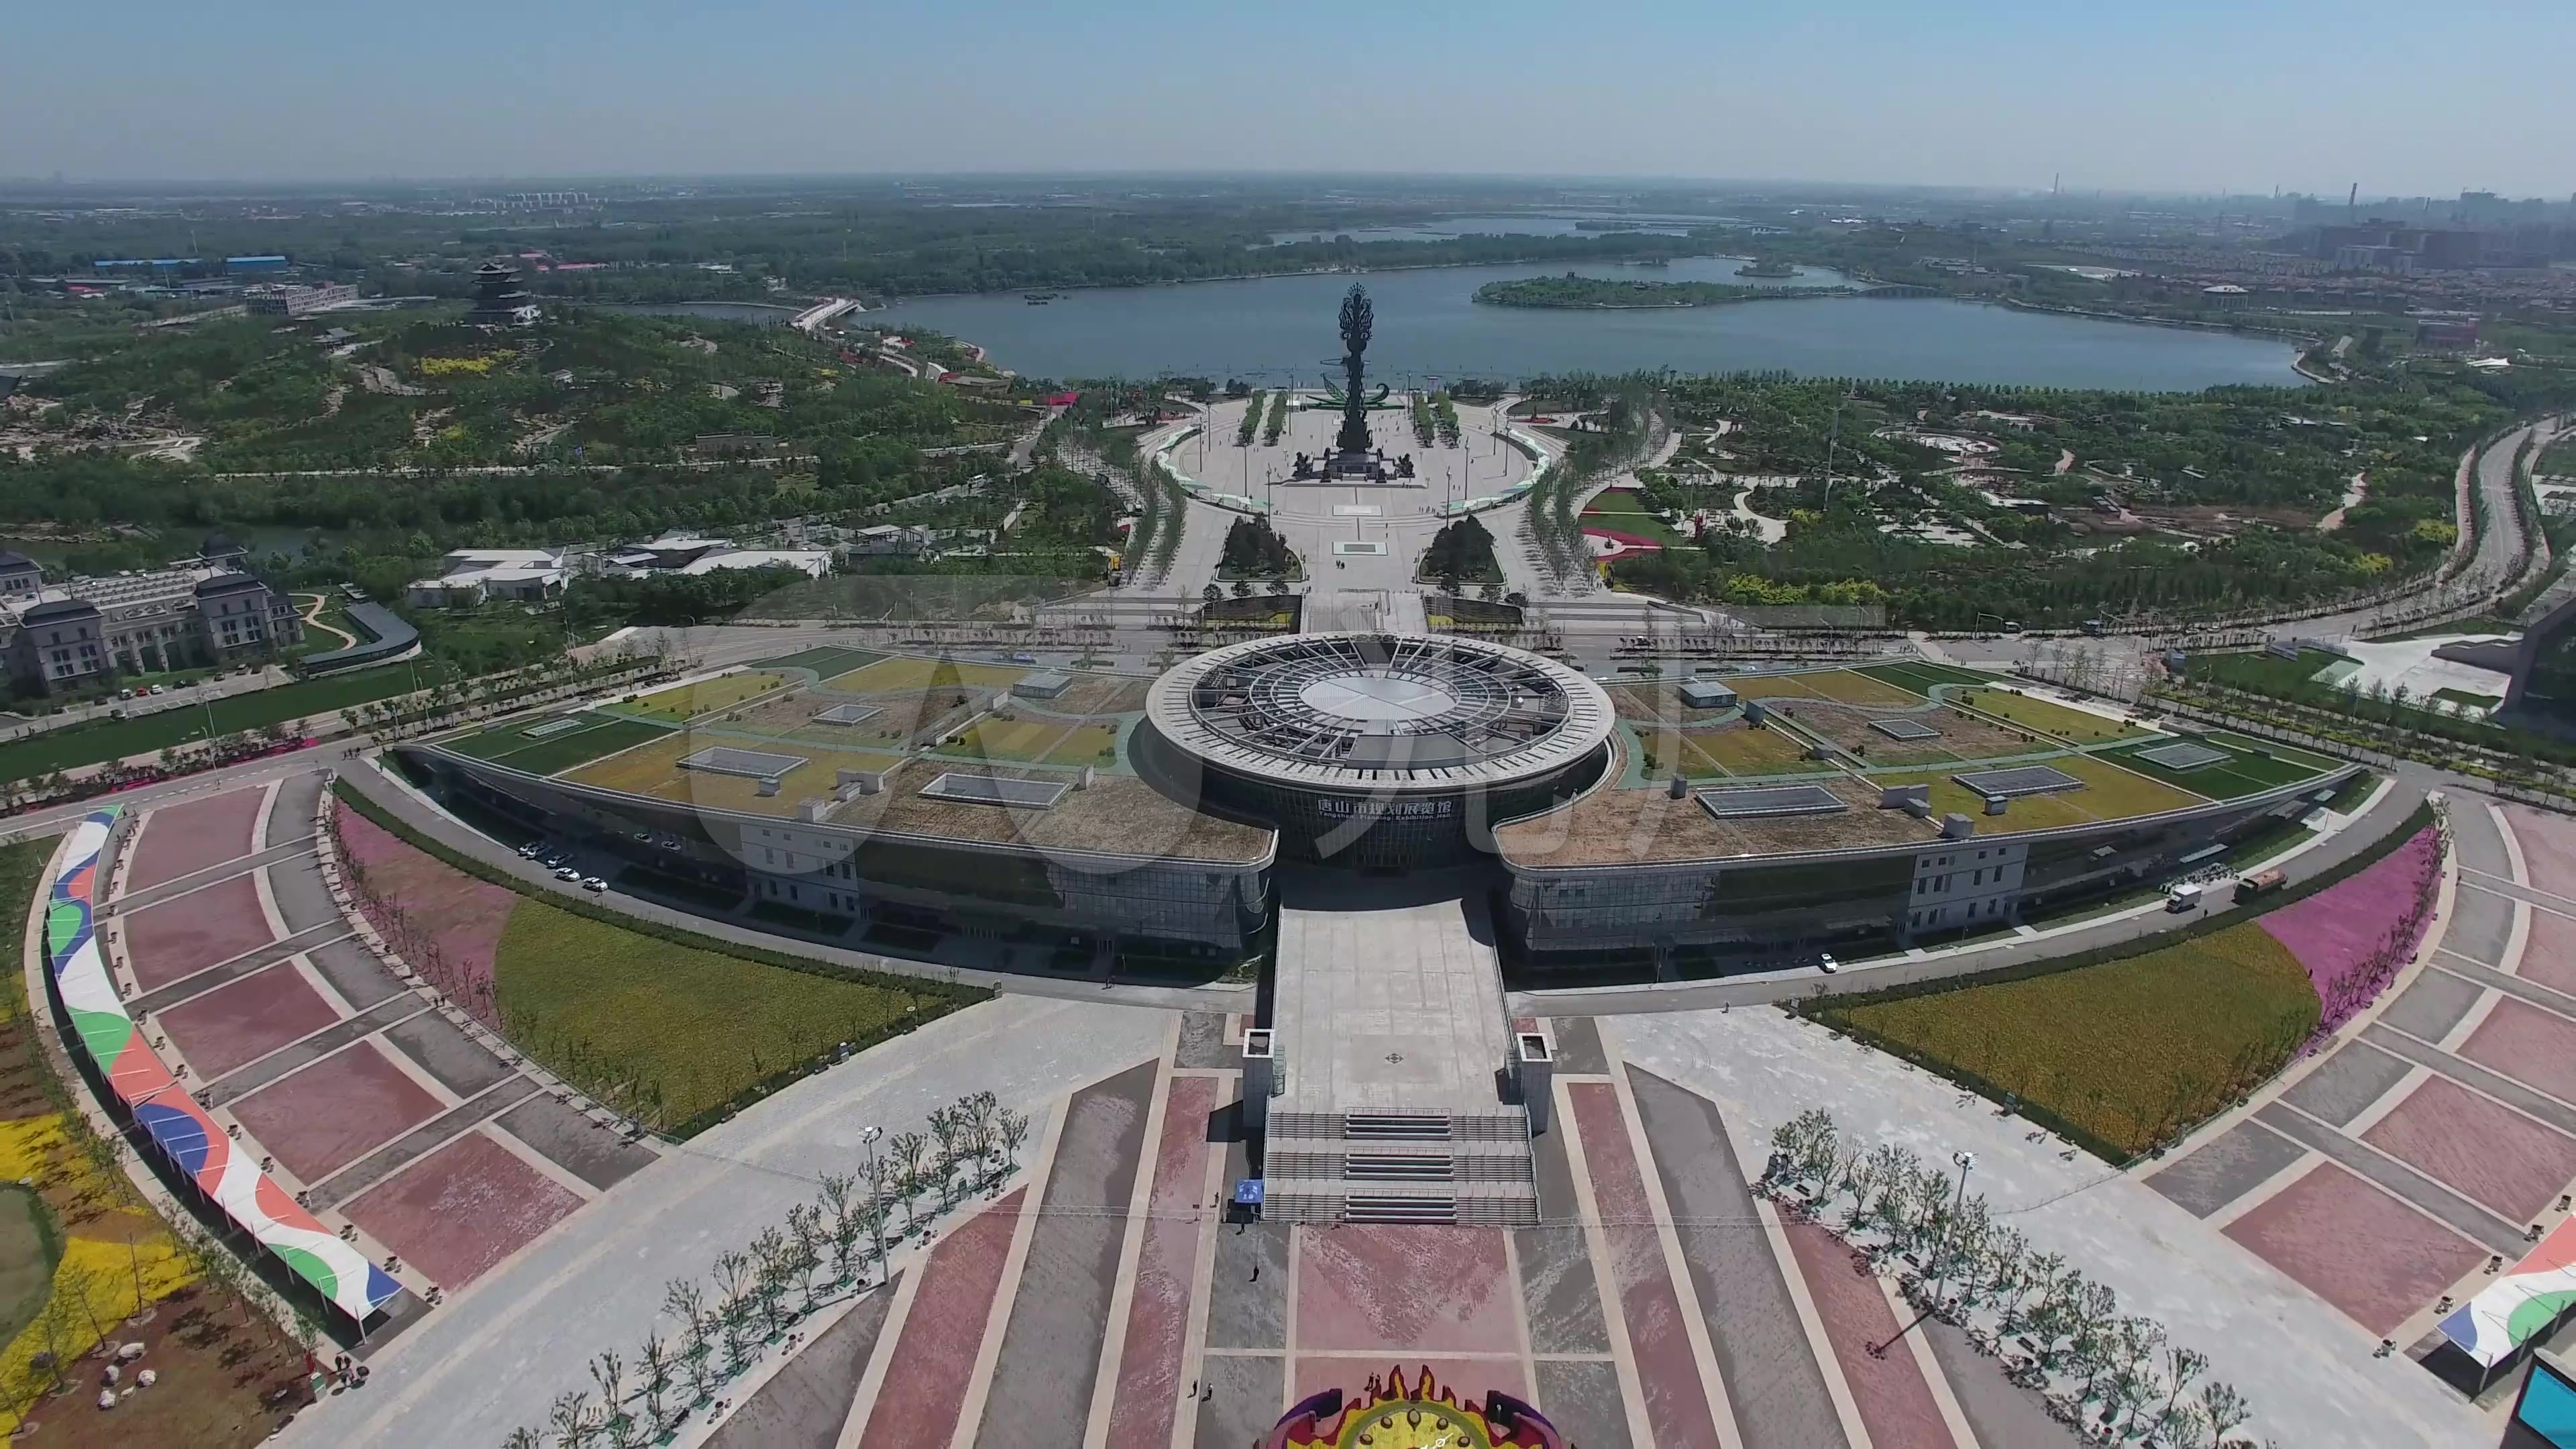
[
  {"x": 1941, "y": 1284},
  {"x": 876, "y": 1199}
]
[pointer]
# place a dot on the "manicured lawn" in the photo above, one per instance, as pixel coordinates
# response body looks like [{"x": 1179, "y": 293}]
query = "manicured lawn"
[
  {"x": 688, "y": 701},
  {"x": 597, "y": 736},
  {"x": 2109, "y": 793},
  {"x": 1621, "y": 509},
  {"x": 2080, "y": 726},
  {"x": 1744, "y": 750},
  {"x": 654, "y": 769},
  {"x": 2264, "y": 673},
  {"x": 826, "y": 660},
  {"x": 88, "y": 744},
  {"x": 1093, "y": 744},
  {"x": 2131, "y": 1052},
  {"x": 28, "y": 1253},
  {"x": 1846, "y": 686},
  {"x": 1024, "y": 740},
  {"x": 2278, "y": 751},
  {"x": 666, "y": 1031},
  {"x": 911, "y": 672},
  {"x": 2243, "y": 772}
]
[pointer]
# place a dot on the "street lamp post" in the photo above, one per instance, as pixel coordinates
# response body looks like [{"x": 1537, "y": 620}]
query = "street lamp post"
[
  {"x": 876, "y": 1199},
  {"x": 1941, "y": 1284}
]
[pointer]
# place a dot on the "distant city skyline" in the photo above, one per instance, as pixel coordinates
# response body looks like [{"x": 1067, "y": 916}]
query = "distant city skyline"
[{"x": 2190, "y": 98}]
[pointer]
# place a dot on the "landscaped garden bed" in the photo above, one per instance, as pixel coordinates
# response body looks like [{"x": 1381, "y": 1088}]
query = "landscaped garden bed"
[{"x": 2124, "y": 1051}]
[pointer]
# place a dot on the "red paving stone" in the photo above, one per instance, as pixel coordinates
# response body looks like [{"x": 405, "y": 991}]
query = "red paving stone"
[
  {"x": 1895, "y": 1403},
  {"x": 2356, "y": 1247},
  {"x": 1149, "y": 1365},
  {"x": 1676, "y": 1406},
  {"x": 1378, "y": 1288},
  {"x": 463, "y": 1208},
  {"x": 331, "y": 1113},
  {"x": 1469, "y": 1378},
  {"x": 185, "y": 936},
  {"x": 926, "y": 1379},
  {"x": 2532, "y": 1046},
  {"x": 181, "y": 839},
  {"x": 2549, "y": 952},
  {"x": 2489, "y": 1152},
  {"x": 2548, "y": 849},
  {"x": 451, "y": 923},
  {"x": 246, "y": 1020}
]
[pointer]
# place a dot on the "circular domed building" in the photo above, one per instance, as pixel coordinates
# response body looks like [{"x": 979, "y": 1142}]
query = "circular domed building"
[{"x": 1375, "y": 750}]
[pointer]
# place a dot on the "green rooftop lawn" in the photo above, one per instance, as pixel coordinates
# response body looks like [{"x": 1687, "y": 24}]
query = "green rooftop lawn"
[
  {"x": 2080, "y": 726},
  {"x": 598, "y": 736},
  {"x": 2244, "y": 772}
]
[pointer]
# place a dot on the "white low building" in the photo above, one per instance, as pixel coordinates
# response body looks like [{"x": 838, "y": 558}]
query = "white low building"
[
  {"x": 468, "y": 577},
  {"x": 683, "y": 554}
]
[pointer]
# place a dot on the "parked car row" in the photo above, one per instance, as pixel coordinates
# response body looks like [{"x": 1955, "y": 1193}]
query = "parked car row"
[{"x": 559, "y": 861}]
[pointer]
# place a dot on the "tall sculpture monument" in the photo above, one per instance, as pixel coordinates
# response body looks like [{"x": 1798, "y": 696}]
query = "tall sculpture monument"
[{"x": 1357, "y": 315}]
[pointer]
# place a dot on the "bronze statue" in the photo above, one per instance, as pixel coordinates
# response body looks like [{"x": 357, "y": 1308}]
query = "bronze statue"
[{"x": 1357, "y": 315}]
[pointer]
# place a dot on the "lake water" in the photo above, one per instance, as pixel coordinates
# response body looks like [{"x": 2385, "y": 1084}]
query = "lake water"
[
  {"x": 1280, "y": 329},
  {"x": 1448, "y": 228},
  {"x": 758, "y": 314}
]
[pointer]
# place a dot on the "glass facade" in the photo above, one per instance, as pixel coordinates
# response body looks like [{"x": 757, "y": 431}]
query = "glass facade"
[
  {"x": 972, "y": 888},
  {"x": 1578, "y": 914}
]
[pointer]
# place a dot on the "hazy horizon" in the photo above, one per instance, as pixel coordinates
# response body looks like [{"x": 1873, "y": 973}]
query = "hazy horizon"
[{"x": 2194, "y": 99}]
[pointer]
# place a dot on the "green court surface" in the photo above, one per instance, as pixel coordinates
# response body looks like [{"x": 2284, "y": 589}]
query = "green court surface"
[
  {"x": 2308, "y": 758},
  {"x": 2243, "y": 772},
  {"x": 597, "y": 735}
]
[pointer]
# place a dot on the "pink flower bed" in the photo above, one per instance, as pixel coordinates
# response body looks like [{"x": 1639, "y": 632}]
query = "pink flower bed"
[
  {"x": 445, "y": 923},
  {"x": 2354, "y": 935}
]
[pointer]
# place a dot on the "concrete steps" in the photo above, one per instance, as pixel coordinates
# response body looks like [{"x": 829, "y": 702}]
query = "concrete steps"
[{"x": 1400, "y": 1167}]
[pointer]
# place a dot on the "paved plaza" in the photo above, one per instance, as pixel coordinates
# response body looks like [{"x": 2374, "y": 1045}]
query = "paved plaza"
[
  {"x": 1107, "y": 1297},
  {"x": 1356, "y": 537},
  {"x": 1106, "y": 1300},
  {"x": 2386, "y": 1173},
  {"x": 375, "y": 1108}
]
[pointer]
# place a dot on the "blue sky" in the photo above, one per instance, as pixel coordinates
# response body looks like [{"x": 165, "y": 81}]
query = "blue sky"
[{"x": 2185, "y": 95}]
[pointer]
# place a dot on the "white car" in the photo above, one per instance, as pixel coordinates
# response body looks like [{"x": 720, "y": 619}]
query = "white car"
[
  {"x": 594, "y": 885},
  {"x": 567, "y": 873},
  {"x": 1826, "y": 963}
]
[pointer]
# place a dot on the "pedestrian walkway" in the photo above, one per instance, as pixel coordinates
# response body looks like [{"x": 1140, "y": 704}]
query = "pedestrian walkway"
[
  {"x": 1109, "y": 1299},
  {"x": 355, "y": 1090},
  {"x": 2390, "y": 1172}
]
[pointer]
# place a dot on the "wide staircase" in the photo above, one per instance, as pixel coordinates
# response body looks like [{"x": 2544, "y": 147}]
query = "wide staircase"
[{"x": 1470, "y": 1169}]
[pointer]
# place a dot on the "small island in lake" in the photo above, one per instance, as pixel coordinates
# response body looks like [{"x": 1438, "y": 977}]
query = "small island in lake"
[
  {"x": 1767, "y": 269},
  {"x": 1573, "y": 291}
]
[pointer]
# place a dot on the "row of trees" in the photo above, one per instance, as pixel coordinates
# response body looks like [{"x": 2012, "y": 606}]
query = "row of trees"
[
  {"x": 2114, "y": 1376},
  {"x": 833, "y": 1247}
]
